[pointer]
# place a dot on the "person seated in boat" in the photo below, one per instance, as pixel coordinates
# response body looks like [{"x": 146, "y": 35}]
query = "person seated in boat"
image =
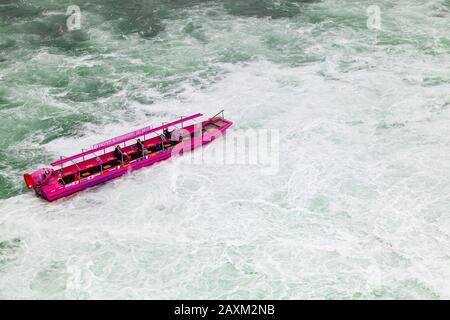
[
  {"x": 120, "y": 155},
  {"x": 167, "y": 133},
  {"x": 140, "y": 147}
]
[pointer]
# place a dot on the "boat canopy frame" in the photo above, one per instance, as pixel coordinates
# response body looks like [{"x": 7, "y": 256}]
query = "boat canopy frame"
[{"x": 120, "y": 139}]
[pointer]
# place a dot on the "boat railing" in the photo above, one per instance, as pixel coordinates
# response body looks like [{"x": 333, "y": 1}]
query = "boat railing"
[
  {"x": 101, "y": 162},
  {"x": 76, "y": 164},
  {"x": 123, "y": 138},
  {"x": 220, "y": 112},
  {"x": 99, "y": 159}
]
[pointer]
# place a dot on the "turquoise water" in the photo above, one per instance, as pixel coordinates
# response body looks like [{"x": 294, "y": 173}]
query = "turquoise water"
[{"x": 360, "y": 205}]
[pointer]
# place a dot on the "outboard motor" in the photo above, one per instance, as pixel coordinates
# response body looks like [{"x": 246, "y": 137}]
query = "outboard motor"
[{"x": 38, "y": 178}]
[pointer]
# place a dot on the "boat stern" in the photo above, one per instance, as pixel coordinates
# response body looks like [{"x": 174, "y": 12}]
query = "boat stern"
[{"x": 40, "y": 180}]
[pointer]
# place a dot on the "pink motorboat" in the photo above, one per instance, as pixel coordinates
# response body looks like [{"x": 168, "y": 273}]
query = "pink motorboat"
[{"x": 114, "y": 157}]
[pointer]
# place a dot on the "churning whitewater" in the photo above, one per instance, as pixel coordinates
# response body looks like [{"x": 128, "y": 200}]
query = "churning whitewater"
[{"x": 358, "y": 206}]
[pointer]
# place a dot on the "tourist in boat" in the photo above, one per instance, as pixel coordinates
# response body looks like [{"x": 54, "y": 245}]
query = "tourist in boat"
[
  {"x": 120, "y": 155},
  {"x": 140, "y": 147},
  {"x": 167, "y": 133}
]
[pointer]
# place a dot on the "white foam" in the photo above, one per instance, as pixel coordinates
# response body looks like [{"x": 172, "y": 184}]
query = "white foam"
[{"x": 358, "y": 209}]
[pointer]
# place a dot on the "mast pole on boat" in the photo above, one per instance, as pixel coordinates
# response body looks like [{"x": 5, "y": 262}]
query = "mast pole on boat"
[
  {"x": 97, "y": 158},
  {"x": 162, "y": 137},
  {"x": 220, "y": 112},
  {"x": 61, "y": 167},
  {"x": 144, "y": 147},
  {"x": 79, "y": 170}
]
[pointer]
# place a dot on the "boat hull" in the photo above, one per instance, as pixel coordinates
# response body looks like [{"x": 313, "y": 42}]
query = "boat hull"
[{"x": 56, "y": 191}]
